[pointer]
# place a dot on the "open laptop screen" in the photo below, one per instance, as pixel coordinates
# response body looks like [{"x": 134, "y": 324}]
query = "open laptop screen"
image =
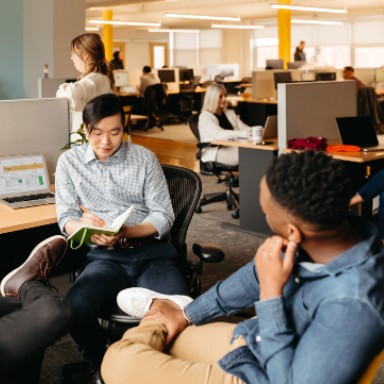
[
  {"x": 357, "y": 130},
  {"x": 23, "y": 174}
]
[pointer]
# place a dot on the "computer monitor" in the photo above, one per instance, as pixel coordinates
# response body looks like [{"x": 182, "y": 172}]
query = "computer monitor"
[
  {"x": 295, "y": 64},
  {"x": 186, "y": 74},
  {"x": 325, "y": 76},
  {"x": 274, "y": 63},
  {"x": 166, "y": 75},
  {"x": 379, "y": 75},
  {"x": 282, "y": 77},
  {"x": 121, "y": 77}
]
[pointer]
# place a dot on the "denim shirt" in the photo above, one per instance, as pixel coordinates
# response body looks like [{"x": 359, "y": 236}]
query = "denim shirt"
[{"x": 325, "y": 328}]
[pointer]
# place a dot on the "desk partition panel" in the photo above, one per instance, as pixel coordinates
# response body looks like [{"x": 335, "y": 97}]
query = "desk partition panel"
[
  {"x": 310, "y": 109},
  {"x": 35, "y": 126}
]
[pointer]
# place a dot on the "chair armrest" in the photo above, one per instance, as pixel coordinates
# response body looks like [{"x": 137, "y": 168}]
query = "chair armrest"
[{"x": 208, "y": 253}]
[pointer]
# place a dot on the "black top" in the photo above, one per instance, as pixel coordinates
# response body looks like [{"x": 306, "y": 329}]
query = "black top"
[{"x": 224, "y": 122}]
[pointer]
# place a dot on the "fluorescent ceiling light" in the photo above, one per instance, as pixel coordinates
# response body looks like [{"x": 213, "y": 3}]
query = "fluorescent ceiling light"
[
  {"x": 234, "y": 26},
  {"x": 174, "y": 30},
  {"x": 309, "y": 9},
  {"x": 322, "y": 22},
  {"x": 222, "y": 18},
  {"x": 90, "y": 29},
  {"x": 130, "y": 23}
]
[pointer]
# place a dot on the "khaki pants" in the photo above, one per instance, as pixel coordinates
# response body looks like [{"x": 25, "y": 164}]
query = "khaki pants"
[{"x": 192, "y": 359}]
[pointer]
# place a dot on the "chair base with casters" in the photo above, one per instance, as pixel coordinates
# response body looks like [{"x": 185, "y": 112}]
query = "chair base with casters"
[
  {"x": 224, "y": 174},
  {"x": 184, "y": 187}
]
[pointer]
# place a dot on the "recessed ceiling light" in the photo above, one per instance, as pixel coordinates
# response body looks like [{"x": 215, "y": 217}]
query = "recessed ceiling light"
[
  {"x": 129, "y": 23},
  {"x": 234, "y": 26},
  {"x": 202, "y": 17},
  {"x": 322, "y": 22},
  {"x": 309, "y": 9}
]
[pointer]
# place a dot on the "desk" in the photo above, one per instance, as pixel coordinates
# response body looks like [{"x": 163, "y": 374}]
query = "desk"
[
  {"x": 253, "y": 162},
  {"x": 22, "y": 229}
]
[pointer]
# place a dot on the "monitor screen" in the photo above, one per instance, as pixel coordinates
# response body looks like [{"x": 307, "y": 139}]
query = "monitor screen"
[
  {"x": 295, "y": 64},
  {"x": 379, "y": 75},
  {"x": 325, "y": 76},
  {"x": 282, "y": 77},
  {"x": 166, "y": 75},
  {"x": 121, "y": 77},
  {"x": 186, "y": 74},
  {"x": 274, "y": 63}
]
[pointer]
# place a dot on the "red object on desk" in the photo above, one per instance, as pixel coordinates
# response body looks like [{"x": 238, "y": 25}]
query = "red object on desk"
[
  {"x": 310, "y": 142},
  {"x": 343, "y": 148}
]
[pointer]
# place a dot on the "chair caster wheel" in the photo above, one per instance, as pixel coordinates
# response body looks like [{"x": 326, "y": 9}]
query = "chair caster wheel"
[
  {"x": 198, "y": 209},
  {"x": 236, "y": 214}
]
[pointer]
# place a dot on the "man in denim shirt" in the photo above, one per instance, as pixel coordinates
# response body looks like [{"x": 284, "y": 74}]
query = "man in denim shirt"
[{"x": 317, "y": 287}]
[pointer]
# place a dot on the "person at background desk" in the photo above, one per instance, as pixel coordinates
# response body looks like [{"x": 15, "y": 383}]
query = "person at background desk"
[
  {"x": 107, "y": 176},
  {"x": 216, "y": 122},
  {"x": 88, "y": 57},
  {"x": 299, "y": 54},
  {"x": 316, "y": 285},
  {"x": 117, "y": 61},
  {"x": 348, "y": 73},
  {"x": 146, "y": 79}
]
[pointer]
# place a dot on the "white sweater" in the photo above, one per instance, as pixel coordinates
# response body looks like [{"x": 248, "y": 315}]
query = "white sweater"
[
  {"x": 210, "y": 129},
  {"x": 82, "y": 91}
]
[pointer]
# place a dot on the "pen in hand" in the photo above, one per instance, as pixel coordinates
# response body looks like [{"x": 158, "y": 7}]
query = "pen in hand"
[{"x": 86, "y": 210}]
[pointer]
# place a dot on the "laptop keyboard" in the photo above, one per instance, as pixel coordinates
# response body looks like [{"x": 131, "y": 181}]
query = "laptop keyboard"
[{"x": 29, "y": 197}]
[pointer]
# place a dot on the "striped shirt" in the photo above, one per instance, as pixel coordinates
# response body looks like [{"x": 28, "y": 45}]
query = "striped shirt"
[{"x": 132, "y": 175}]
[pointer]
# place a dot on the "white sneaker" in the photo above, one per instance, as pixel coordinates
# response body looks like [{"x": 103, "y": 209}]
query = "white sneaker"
[{"x": 137, "y": 301}]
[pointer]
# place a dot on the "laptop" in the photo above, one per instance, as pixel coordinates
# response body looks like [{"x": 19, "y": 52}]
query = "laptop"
[
  {"x": 270, "y": 130},
  {"x": 24, "y": 181},
  {"x": 360, "y": 131}
]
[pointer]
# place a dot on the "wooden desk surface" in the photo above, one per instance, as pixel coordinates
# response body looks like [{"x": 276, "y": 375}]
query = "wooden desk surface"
[
  {"x": 358, "y": 157},
  {"x": 24, "y": 218},
  {"x": 247, "y": 144}
]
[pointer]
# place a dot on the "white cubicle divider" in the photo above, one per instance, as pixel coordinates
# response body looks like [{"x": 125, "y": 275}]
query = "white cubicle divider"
[
  {"x": 310, "y": 109},
  {"x": 35, "y": 126},
  {"x": 47, "y": 87}
]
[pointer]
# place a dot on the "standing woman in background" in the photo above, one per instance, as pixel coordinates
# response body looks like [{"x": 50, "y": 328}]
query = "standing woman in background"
[
  {"x": 88, "y": 57},
  {"x": 216, "y": 122}
]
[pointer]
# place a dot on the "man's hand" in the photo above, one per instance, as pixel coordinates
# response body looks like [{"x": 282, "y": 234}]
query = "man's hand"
[
  {"x": 273, "y": 269},
  {"x": 170, "y": 314}
]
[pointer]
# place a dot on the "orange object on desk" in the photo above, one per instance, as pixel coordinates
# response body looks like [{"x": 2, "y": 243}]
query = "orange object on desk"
[{"x": 343, "y": 148}]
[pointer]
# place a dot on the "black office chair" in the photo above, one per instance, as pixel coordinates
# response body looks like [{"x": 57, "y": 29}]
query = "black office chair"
[
  {"x": 185, "y": 190},
  {"x": 368, "y": 105},
  {"x": 224, "y": 174},
  {"x": 155, "y": 101},
  {"x": 186, "y": 101}
]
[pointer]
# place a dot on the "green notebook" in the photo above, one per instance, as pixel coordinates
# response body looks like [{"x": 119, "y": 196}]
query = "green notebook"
[{"x": 85, "y": 232}]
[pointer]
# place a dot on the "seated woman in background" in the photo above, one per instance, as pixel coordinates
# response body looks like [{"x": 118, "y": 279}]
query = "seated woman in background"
[
  {"x": 88, "y": 57},
  {"x": 374, "y": 187},
  {"x": 216, "y": 122}
]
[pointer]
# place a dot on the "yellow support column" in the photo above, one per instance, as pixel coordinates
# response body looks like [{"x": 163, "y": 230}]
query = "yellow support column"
[
  {"x": 284, "y": 32},
  {"x": 108, "y": 35}
]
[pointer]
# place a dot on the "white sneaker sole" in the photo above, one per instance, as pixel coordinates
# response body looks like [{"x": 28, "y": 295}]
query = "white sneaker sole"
[{"x": 38, "y": 246}]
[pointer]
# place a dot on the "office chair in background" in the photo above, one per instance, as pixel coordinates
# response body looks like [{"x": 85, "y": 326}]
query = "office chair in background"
[
  {"x": 186, "y": 101},
  {"x": 185, "y": 190},
  {"x": 368, "y": 105},
  {"x": 224, "y": 174},
  {"x": 155, "y": 100}
]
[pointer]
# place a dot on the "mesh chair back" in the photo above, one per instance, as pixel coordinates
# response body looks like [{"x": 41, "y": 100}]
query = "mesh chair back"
[
  {"x": 193, "y": 123},
  {"x": 185, "y": 190}
]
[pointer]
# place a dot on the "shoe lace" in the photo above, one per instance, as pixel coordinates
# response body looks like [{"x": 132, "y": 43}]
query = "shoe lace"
[{"x": 42, "y": 268}]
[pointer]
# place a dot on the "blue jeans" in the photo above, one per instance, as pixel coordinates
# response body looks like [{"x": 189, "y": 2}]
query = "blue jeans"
[{"x": 106, "y": 273}]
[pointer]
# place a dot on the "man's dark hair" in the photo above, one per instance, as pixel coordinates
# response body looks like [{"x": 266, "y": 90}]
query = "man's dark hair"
[
  {"x": 101, "y": 107},
  {"x": 349, "y": 69},
  {"x": 311, "y": 186},
  {"x": 147, "y": 69}
]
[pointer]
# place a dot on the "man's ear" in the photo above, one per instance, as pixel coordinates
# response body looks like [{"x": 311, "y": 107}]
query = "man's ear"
[
  {"x": 86, "y": 132},
  {"x": 294, "y": 233}
]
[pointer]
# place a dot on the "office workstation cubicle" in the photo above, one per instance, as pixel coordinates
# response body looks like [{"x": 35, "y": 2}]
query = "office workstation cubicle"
[{"x": 31, "y": 126}]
